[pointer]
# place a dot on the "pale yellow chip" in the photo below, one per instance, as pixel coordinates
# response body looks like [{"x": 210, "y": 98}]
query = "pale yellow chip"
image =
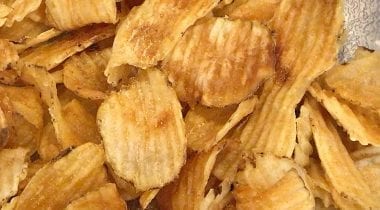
[
  {"x": 303, "y": 148},
  {"x": 188, "y": 191},
  {"x": 336, "y": 162},
  {"x": 361, "y": 125},
  {"x": 312, "y": 32},
  {"x": 357, "y": 81},
  {"x": 58, "y": 183},
  {"x": 370, "y": 170},
  {"x": 51, "y": 54},
  {"x": 143, "y": 131},
  {"x": 365, "y": 153},
  {"x": 290, "y": 192},
  {"x": 147, "y": 197},
  {"x": 26, "y": 101},
  {"x": 40, "y": 38},
  {"x": 106, "y": 197},
  {"x": 8, "y": 54},
  {"x": 20, "y": 9},
  {"x": 152, "y": 30},
  {"x": 219, "y": 62},
  {"x": 260, "y": 10},
  {"x": 13, "y": 170},
  {"x": 71, "y": 14},
  {"x": 84, "y": 74},
  {"x": 32, "y": 169}
]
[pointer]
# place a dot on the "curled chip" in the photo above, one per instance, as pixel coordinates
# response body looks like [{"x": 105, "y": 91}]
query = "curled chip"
[
  {"x": 20, "y": 9},
  {"x": 362, "y": 125},
  {"x": 8, "y": 54},
  {"x": 143, "y": 131},
  {"x": 357, "y": 81},
  {"x": 84, "y": 74},
  {"x": 48, "y": 146},
  {"x": 188, "y": 191},
  {"x": 303, "y": 148},
  {"x": 147, "y": 197},
  {"x": 338, "y": 165},
  {"x": 51, "y": 54},
  {"x": 106, "y": 197},
  {"x": 72, "y": 14},
  {"x": 260, "y": 10},
  {"x": 13, "y": 170},
  {"x": 219, "y": 62},
  {"x": 151, "y": 30},
  {"x": 213, "y": 201},
  {"x": 40, "y": 38},
  {"x": 58, "y": 183}
]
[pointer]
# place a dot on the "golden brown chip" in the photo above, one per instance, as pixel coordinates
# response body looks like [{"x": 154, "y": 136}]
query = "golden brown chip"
[
  {"x": 40, "y": 38},
  {"x": 51, "y": 54},
  {"x": 338, "y": 165},
  {"x": 213, "y": 201},
  {"x": 48, "y": 146},
  {"x": 84, "y": 74},
  {"x": 58, "y": 183},
  {"x": 106, "y": 197},
  {"x": 147, "y": 197},
  {"x": 358, "y": 81},
  {"x": 8, "y": 54},
  {"x": 12, "y": 170},
  {"x": 370, "y": 170},
  {"x": 219, "y": 62},
  {"x": 311, "y": 32},
  {"x": 9, "y": 77},
  {"x": 22, "y": 31},
  {"x": 143, "y": 131},
  {"x": 361, "y": 125},
  {"x": 127, "y": 190},
  {"x": 260, "y": 10},
  {"x": 290, "y": 192},
  {"x": 20, "y": 9},
  {"x": 151, "y": 30},
  {"x": 10, "y": 205},
  {"x": 32, "y": 169},
  {"x": 303, "y": 148},
  {"x": 23, "y": 134},
  {"x": 72, "y": 14},
  {"x": 365, "y": 153},
  {"x": 4, "y": 11},
  {"x": 188, "y": 191}
]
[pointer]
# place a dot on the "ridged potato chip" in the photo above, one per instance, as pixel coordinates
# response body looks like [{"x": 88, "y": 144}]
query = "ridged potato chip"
[
  {"x": 147, "y": 197},
  {"x": 370, "y": 169},
  {"x": 219, "y": 62},
  {"x": 303, "y": 148},
  {"x": 71, "y": 14},
  {"x": 20, "y": 9},
  {"x": 357, "y": 81},
  {"x": 336, "y": 162},
  {"x": 84, "y": 74},
  {"x": 311, "y": 32},
  {"x": 188, "y": 191},
  {"x": 58, "y": 183},
  {"x": 51, "y": 54},
  {"x": 152, "y": 30},
  {"x": 360, "y": 124},
  {"x": 8, "y": 54},
  {"x": 106, "y": 197},
  {"x": 145, "y": 133},
  {"x": 13, "y": 170},
  {"x": 289, "y": 192},
  {"x": 260, "y": 10}
]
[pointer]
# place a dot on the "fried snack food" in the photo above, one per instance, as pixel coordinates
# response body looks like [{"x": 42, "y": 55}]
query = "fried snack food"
[
  {"x": 145, "y": 133},
  {"x": 303, "y": 148},
  {"x": 147, "y": 197},
  {"x": 219, "y": 62},
  {"x": 8, "y": 54},
  {"x": 151, "y": 30},
  {"x": 58, "y": 183},
  {"x": 20, "y": 9},
  {"x": 72, "y": 14}
]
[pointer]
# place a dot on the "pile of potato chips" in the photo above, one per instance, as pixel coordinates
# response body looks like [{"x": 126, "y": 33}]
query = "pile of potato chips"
[{"x": 185, "y": 104}]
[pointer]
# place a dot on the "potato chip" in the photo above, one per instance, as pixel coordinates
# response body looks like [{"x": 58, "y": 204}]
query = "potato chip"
[
  {"x": 39, "y": 15},
  {"x": 213, "y": 201},
  {"x": 58, "y": 183},
  {"x": 210, "y": 64},
  {"x": 8, "y": 54},
  {"x": 106, "y": 197},
  {"x": 370, "y": 170},
  {"x": 147, "y": 197},
  {"x": 290, "y": 192},
  {"x": 260, "y": 10},
  {"x": 10, "y": 205},
  {"x": 22, "y": 31},
  {"x": 304, "y": 30},
  {"x": 358, "y": 80},
  {"x": 127, "y": 190},
  {"x": 13, "y": 169},
  {"x": 339, "y": 167},
  {"x": 365, "y": 153},
  {"x": 152, "y": 30},
  {"x": 84, "y": 74},
  {"x": 58, "y": 76},
  {"x": 71, "y": 14},
  {"x": 40, "y": 38},
  {"x": 48, "y": 146},
  {"x": 303, "y": 148},
  {"x": 27, "y": 102},
  {"x": 145, "y": 133},
  {"x": 360, "y": 124},
  {"x": 6, "y": 114},
  {"x": 51, "y": 54},
  {"x": 188, "y": 191},
  {"x": 9, "y": 77},
  {"x": 23, "y": 134},
  {"x": 4, "y": 11},
  {"x": 20, "y": 9},
  {"x": 32, "y": 169}
]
